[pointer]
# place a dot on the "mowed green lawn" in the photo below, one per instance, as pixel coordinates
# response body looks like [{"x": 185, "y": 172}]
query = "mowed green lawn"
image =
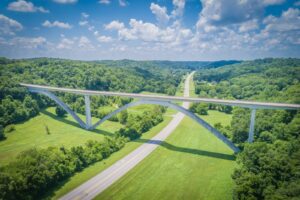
[
  {"x": 190, "y": 164},
  {"x": 63, "y": 132}
]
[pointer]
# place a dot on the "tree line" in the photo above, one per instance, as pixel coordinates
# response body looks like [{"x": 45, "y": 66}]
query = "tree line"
[{"x": 35, "y": 171}]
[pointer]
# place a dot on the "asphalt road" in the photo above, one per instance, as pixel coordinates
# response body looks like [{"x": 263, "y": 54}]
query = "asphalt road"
[{"x": 103, "y": 180}]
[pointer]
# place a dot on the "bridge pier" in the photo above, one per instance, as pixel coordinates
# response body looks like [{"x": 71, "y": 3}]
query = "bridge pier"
[
  {"x": 251, "y": 128},
  {"x": 88, "y": 117}
]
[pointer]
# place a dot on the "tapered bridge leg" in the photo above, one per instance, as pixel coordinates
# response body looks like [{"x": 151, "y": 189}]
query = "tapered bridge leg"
[
  {"x": 251, "y": 129},
  {"x": 88, "y": 112}
]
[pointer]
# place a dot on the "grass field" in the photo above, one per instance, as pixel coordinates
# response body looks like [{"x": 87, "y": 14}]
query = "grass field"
[
  {"x": 190, "y": 164},
  {"x": 63, "y": 132}
]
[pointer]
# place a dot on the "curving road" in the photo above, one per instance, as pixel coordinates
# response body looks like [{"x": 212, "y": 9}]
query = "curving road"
[{"x": 103, "y": 180}]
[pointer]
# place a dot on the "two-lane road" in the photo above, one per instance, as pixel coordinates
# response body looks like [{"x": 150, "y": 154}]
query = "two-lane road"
[{"x": 103, "y": 180}]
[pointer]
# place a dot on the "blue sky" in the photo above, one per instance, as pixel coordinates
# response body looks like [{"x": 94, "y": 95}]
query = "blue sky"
[{"x": 150, "y": 30}]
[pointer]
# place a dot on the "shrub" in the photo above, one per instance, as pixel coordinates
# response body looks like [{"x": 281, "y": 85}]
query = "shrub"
[
  {"x": 123, "y": 116},
  {"x": 9, "y": 128},
  {"x": 60, "y": 112},
  {"x": 2, "y": 136},
  {"x": 199, "y": 108},
  {"x": 47, "y": 130}
]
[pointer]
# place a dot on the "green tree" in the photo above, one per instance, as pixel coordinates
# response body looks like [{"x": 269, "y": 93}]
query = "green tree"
[
  {"x": 123, "y": 116},
  {"x": 60, "y": 112},
  {"x": 2, "y": 136}
]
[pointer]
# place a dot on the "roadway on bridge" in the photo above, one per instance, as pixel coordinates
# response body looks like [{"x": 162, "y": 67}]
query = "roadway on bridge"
[
  {"x": 103, "y": 180},
  {"x": 240, "y": 103}
]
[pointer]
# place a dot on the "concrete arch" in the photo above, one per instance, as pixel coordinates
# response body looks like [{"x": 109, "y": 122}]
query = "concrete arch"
[
  {"x": 200, "y": 121},
  {"x": 63, "y": 105}
]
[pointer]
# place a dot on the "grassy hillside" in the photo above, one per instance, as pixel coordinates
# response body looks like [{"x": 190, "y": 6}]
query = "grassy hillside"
[
  {"x": 190, "y": 164},
  {"x": 63, "y": 132}
]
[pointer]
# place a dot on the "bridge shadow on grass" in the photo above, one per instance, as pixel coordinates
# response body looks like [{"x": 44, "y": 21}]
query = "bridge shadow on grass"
[
  {"x": 72, "y": 123},
  {"x": 188, "y": 150}
]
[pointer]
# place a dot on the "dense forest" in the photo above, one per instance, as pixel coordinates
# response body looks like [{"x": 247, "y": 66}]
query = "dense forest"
[
  {"x": 270, "y": 167},
  {"x": 17, "y": 104}
]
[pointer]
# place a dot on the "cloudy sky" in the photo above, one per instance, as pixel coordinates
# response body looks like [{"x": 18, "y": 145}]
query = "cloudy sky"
[{"x": 147, "y": 30}]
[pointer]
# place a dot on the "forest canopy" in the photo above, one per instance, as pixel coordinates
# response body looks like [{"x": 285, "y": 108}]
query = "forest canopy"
[{"x": 17, "y": 104}]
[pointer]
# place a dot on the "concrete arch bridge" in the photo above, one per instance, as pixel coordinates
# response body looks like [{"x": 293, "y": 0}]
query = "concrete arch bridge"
[{"x": 157, "y": 100}]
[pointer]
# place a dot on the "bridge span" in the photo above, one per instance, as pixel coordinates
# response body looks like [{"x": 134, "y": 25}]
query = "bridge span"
[{"x": 158, "y": 100}]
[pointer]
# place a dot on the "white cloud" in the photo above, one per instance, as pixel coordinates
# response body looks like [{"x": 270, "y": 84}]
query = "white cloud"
[
  {"x": 247, "y": 31},
  {"x": 248, "y": 26},
  {"x": 84, "y": 15},
  {"x": 104, "y": 38},
  {"x": 147, "y": 32},
  {"x": 225, "y": 12},
  {"x": 104, "y": 2},
  {"x": 85, "y": 43},
  {"x": 24, "y": 6},
  {"x": 56, "y": 24},
  {"x": 83, "y": 23},
  {"x": 114, "y": 25},
  {"x": 96, "y": 33},
  {"x": 119, "y": 48},
  {"x": 65, "y": 1},
  {"x": 28, "y": 42},
  {"x": 288, "y": 21},
  {"x": 122, "y": 3},
  {"x": 160, "y": 13},
  {"x": 65, "y": 43},
  {"x": 8, "y": 26},
  {"x": 91, "y": 28},
  {"x": 139, "y": 29},
  {"x": 179, "y": 7}
]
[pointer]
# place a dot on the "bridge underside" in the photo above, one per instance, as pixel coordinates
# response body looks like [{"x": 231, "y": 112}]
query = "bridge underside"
[{"x": 88, "y": 124}]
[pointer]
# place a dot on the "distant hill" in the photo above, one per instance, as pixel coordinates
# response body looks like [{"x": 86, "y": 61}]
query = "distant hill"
[
  {"x": 193, "y": 65},
  {"x": 221, "y": 63}
]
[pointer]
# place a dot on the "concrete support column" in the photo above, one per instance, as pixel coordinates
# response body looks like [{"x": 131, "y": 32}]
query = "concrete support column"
[
  {"x": 251, "y": 129},
  {"x": 88, "y": 112}
]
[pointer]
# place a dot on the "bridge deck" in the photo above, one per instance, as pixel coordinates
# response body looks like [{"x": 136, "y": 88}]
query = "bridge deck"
[{"x": 246, "y": 104}]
